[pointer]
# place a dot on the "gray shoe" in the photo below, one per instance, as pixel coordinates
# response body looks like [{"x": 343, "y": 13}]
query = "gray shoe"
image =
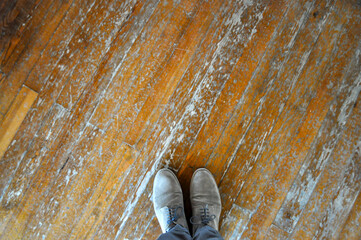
[
  {"x": 168, "y": 200},
  {"x": 205, "y": 200}
]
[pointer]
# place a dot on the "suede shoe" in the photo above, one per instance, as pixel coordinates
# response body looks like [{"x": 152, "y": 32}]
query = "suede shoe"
[
  {"x": 205, "y": 200},
  {"x": 168, "y": 200}
]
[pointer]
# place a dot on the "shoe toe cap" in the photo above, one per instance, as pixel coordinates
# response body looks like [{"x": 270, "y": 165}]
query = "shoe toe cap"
[{"x": 166, "y": 189}]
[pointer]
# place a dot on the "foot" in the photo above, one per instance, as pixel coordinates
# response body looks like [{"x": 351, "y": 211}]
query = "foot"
[
  {"x": 205, "y": 200},
  {"x": 168, "y": 200}
]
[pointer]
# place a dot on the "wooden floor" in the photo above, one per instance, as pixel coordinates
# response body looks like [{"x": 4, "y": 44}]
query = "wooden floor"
[{"x": 97, "y": 95}]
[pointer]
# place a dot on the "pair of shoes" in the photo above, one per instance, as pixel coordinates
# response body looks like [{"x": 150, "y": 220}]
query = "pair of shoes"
[{"x": 168, "y": 200}]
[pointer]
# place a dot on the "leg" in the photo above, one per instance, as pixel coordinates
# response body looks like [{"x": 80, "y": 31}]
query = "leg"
[
  {"x": 207, "y": 232},
  {"x": 168, "y": 206},
  {"x": 176, "y": 233},
  {"x": 206, "y": 205}
]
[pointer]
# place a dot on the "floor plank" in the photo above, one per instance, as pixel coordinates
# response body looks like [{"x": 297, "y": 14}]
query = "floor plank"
[
  {"x": 15, "y": 116},
  {"x": 352, "y": 227},
  {"x": 26, "y": 61}
]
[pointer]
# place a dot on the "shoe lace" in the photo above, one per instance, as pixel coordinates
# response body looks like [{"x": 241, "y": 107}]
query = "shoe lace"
[
  {"x": 204, "y": 217},
  {"x": 172, "y": 215}
]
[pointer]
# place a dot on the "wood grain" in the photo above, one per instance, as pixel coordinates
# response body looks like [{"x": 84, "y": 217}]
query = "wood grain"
[
  {"x": 351, "y": 228},
  {"x": 15, "y": 116},
  {"x": 11, "y": 85}
]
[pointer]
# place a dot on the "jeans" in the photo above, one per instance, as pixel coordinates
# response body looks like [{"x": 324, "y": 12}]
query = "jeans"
[{"x": 180, "y": 233}]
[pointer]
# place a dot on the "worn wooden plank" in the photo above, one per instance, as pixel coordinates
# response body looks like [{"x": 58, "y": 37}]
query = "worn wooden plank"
[
  {"x": 242, "y": 29},
  {"x": 79, "y": 41},
  {"x": 48, "y": 94},
  {"x": 274, "y": 180},
  {"x": 53, "y": 88},
  {"x": 66, "y": 60},
  {"x": 110, "y": 18},
  {"x": 235, "y": 223},
  {"x": 80, "y": 194},
  {"x": 153, "y": 229},
  {"x": 275, "y": 232},
  {"x": 1, "y": 118},
  {"x": 44, "y": 180},
  {"x": 14, "y": 117},
  {"x": 105, "y": 193},
  {"x": 324, "y": 143},
  {"x": 256, "y": 90},
  {"x": 43, "y": 141},
  {"x": 207, "y": 138},
  {"x": 121, "y": 43},
  {"x": 341, "y": 204},
  {"x": 187, "y": 83},
  {"x": 173, "y": 71},
  {"x": 148, "y": 76},
  {"x": 298, "y": 105},
  {"x": 352, "y": 227},
  {"x": 59, "y": 53},
  {"x": 145, "y": 211},
  {"x": 130, "y": 79},
  {"x": 250, "y": 105},
  {"x": 11, "y": 86},
  {"x": 13, "y": 45},
  {"x": 327, "y": 188}
]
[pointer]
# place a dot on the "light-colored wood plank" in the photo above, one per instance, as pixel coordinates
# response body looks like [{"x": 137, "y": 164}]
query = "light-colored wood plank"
[
  {"x": 352, "y": 227},
  {"x": 270, "y": 180},
  {"x": 235, "y": 222},
  {"x": 153, "y": 229},
  {"x": 79, "y": 195},
  {"x": 275, "y": 232},
  {"x": 335, "y": 174},
  {"x": 32, "y": 159},
  {"x": 173, "y": 71},
  {"x": 324, "y": 143},
  {"x": 341, "y": 204},
  {"x": 129, "y": 78},
  {"x": 56, "y": 177},
  {"x": 105, "y": 193},
  {"x": 263, "y": 89},
  {"x": 210, "y": 133},
  {"x": 15, "y": 116}
]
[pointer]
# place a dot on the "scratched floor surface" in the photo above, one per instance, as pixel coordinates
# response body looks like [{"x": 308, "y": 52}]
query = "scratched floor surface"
[{"x": 97, "y": 95}]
